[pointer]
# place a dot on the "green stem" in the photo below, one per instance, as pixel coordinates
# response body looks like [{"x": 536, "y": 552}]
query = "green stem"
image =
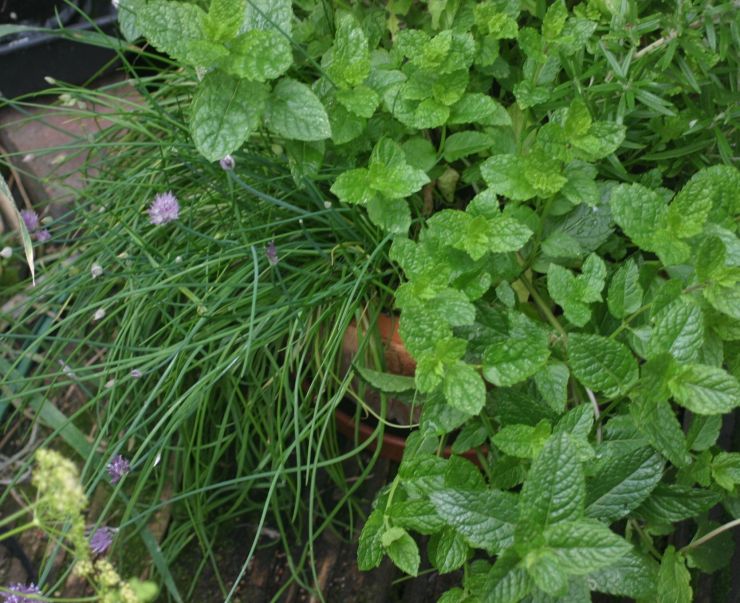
[
  {"x": 708, "y": 536},
  {"x": 544, "y": 308},
  {"x": 628, "y": 320},
  {"x": 14, "y": 516},
  {"x": 18, "y": 530}
]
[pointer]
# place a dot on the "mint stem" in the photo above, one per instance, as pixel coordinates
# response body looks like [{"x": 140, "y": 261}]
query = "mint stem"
[{"x": 716, "y": 532}]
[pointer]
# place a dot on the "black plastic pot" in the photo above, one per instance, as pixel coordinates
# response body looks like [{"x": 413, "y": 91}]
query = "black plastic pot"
[{"x": 27, "y": 57}]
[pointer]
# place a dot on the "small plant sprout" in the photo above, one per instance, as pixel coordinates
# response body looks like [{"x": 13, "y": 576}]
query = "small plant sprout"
[
  {"x": 165, "y": 208},
  {"x": 117, "y": 468},
  {"x": 96, "y": 270}
]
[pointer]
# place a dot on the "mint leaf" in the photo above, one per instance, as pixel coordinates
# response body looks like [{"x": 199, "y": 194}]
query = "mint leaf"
[
  {"x": 726, "y": 470},
  {"x": 585, "y": 546},
  {"x": 640, "y": 212},
  {"x": 632, "y": 575},
  {"x": 370, "y": 548},
  {"x": 269, "y": 14},
  {"x": 386, "y": 382},
  {"x": 417, "y": 514},
  {"x": 225, "y": 111},
  {"x": 504, "y": 175},
  {"x": 484, "y": 518},
  {"x": 360, "y": 100},
  {"x": 601, "y": 364},
  {"x": 554, "y": 20},
  {"x": 678, "y": 330},
  {"x": 350, "y": 56},
  {"x": 514, "y": 357},
  {"x": 574, "y": 294},
  {"x": 554, "y": 490},
  {"x": 258, "y": 55},
  {"x": 225, "y": 18},
  {"x": 402, "y": 550},
  {"x": 507, "y": 581},
  {"x": 353, "y": 187},
  {"x": 705, "y": 390},
  {"x": 713, "y": 554},
  {"x": 625, "y": 292},
  {"x": 175, "y": 28},
  {"x": 464, "y": 388},
  {"x": 545, "y": 569},
  {"x": 392, "y": 215},
  {"x": 703, "y": 431},
  {"x": 710, "y": 193},
  {"x": 552, "y": 383},
  {"x": 294, "y": 112},
  {"x": 478, "y": 108},
  {"x": 669, "y": 503},
  {"x": 462, "y": 144},
  {"x": 523, "y": 441},
  {"x": 657, "y": 421},
  {"x": 390, "y": 174},
  {"x": 622, "y": 483},
  {"x": 674, "y": 580},
  {"x": 447, "y": 550}
]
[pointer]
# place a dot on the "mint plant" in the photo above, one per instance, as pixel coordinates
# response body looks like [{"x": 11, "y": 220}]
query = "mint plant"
[{"x": 570, "y": 293}]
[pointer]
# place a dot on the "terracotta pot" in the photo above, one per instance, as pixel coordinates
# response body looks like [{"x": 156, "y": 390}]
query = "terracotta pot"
[{"x": 397, "y": 361}]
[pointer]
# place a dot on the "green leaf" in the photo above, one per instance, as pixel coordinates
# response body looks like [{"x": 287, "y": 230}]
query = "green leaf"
[
  {"x": 554, "y": 490},
  {"x": 523, "y": 441},
  {"x": 585, "y": 546},
  {"x": 625, "y": 292},
  {"x": 712, "y": 193},
  {"x": 464, "y": 388},
  {"x": 669, "y": 503},
  {"x": 484, "y": 518},
  {"x": 386, "y": 382},
  {"x": 294, "y": 112},
  {"x": 575, "y": 293},
  {"x": 530, "y": 95},
  {"x": 705, "y": 390},
  {"x": 390, "y": 174},
  {"x": 713, "y": 554},
  {"x": 175, "y": 28},
  {"x": 225, "y": 18},
  {"x": 703, "y": 431},
  {"x": 258, "y": 55},
  {"x": 640, "y": 212},
  {"x": 370, "y": 548},
  {"x": 462, "y": 144},
  {"x": 554, "y": 20},
  {"x": 392, "y": 215},
  {"x": 552, "y": 383},
  {"x": 657, "y": 421},
  {"x": 402, "y": 550},
  {"x": 632, "y": 575},
  {"x": 417, "y": 514},
  {"x": 447, "y": 550},
  {"x": 269, "y": 14},
  {"x": 581, "y": 185},
  {"x": 678, "y": 330},
  {"x": 603, "y": 139},
  {"x": 480, "y": 109},
  {"x": 724, "y": 299},
  {"x": 545, "y": 570},
  {"x": 726, "y": 469},
  {"x": 518, "y": 355},
  {"x": 601, "y": 364},
  {"x": 622, "y": 483},
  {"x": 504, "y": 175},
  {"x": 353, "y": 187},
  {"x": 225, "y": 111},
  {"x": 127, "y": 21},
  {"x": 350, "y": 56},
  {"x": 7, "y": 198},
  {"x": 361, "y": 100},
  {"x": 506, "y": 582},
  {"x": 674, "y": 580}
]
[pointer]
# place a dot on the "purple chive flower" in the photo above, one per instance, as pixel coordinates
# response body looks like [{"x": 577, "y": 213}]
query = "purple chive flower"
[
  {"x": 164, "y": 208},
  {"x": 43, "y": 235},
  {"x": 271, "y": 253},
  {"x": 117, "y": 468},
  {"x": 136, "y": 374},
  {"x": 30, "y": 219},
  {"x": 18, "y": 590},
  {"x": 227, "y": 163},
  {"x": 101, "y": 540}
]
